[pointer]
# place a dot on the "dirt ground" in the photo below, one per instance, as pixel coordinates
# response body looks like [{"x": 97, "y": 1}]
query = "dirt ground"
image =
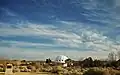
[{"x": 27, "y": 73}]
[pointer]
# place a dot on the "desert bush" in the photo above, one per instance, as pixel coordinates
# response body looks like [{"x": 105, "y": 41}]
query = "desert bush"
[
  {"x": 41, "y": 68},
  {"x": 54, "y": 70},
  {"x": 93, "y": 72},
  {"x": 47, "y": 69},
  {"x": 75, "y": 72},
  {"x": 2, "y": 70},
  {"x": 44, "y": 70},
  {"x": 117, "y": 73},
  {"x": 114, "y": 72},
  {"x": 106, "y": 72},
  {"x": 65, "y": 71},
  {"x": 57, "y": 69},
  {"x": 33, "y": 69},
  {"x": 69, "y": 68}
]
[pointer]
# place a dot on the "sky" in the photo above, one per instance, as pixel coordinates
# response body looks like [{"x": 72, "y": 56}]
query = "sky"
[{"x": 40, "y": 29}]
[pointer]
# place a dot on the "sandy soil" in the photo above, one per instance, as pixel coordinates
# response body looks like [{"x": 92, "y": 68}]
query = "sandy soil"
[
  {"x": 27, "y": 73},
  {"x": 23, "y": 73}
]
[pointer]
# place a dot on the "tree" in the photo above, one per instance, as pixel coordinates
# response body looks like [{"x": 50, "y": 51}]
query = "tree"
[
  {"x": 112, "y": 56},
  {"x": 48, "y": 60},
  {"x": 118, "y": 54},
  {"x": 97, "y": 63},
  {"x": 114, "y": 64},
  {"x": 68, "y": 60},
  {"x": 88, "y": 62},
  {"x": 23, "y": 61}
]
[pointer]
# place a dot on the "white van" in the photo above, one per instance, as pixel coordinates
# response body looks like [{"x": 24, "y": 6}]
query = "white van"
[{"x": 9, "y": 69}]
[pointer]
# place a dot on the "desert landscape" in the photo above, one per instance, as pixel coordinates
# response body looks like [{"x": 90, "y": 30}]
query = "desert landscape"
[
  {"x": 22, "y": 73},
  {"x": 61, "y": 66},
  {"x": 59, "y": 37}
]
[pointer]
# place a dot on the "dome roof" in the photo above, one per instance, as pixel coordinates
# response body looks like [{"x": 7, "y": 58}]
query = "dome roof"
[{"x": 61, "y": 58}]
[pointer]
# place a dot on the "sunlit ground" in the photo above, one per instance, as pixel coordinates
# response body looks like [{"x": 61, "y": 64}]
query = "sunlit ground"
[{"x": 27, "y": 73}]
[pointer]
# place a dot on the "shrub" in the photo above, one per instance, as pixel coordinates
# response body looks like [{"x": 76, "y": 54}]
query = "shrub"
[
  {"x": 114, "y": 72},
  {"x": 93, "y": 72},
  {"x": 54, "y": 70},
  {"x": 65, "y": 71},
  {"x": 117, "y": 73},
  {"x": 59, "y": 68},
  {"x": 47, "y": 69},
  {"x": 2, "y": 70},
  {"x": 106, "y": 72}
]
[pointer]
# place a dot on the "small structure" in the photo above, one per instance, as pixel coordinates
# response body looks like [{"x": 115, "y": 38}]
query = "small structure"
[
  {"x": 61, "y": 60},
  {"x": 9, "y": 69}
]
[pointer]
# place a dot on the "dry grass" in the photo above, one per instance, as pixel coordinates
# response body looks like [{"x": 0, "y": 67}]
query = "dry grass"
[{"x": 28, "y": 73}]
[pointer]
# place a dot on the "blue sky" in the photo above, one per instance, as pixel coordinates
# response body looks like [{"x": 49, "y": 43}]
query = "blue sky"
[{"x": 39, "y": 29}]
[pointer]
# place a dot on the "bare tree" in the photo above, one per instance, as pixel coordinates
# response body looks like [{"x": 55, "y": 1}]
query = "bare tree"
[
  {"x": 118, "y": 54},
  {"x": 111, "y": 56}
]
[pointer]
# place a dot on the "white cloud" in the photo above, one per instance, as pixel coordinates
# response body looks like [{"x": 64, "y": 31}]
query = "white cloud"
[
  {"x": 8, "y": 12},
  {"x": 108, "y": 14},
  {"x": 64, "y": 37},
  {"x": 71, "y": 34},
  {"x": 75, "y": 43},
  {"x": 19, "y": 53},
  {"x": 40, "y": 31},
  {"x": 36, "y": 30},
  {"x": 117, "y": 2},
  {"x": 68, "y": 23},
  {"x": 77, "y": 37},
  {"x": 27, "y": 44}
]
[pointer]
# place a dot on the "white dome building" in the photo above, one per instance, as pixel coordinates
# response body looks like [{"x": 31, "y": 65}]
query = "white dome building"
[{"x": 61, "y": 59}]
